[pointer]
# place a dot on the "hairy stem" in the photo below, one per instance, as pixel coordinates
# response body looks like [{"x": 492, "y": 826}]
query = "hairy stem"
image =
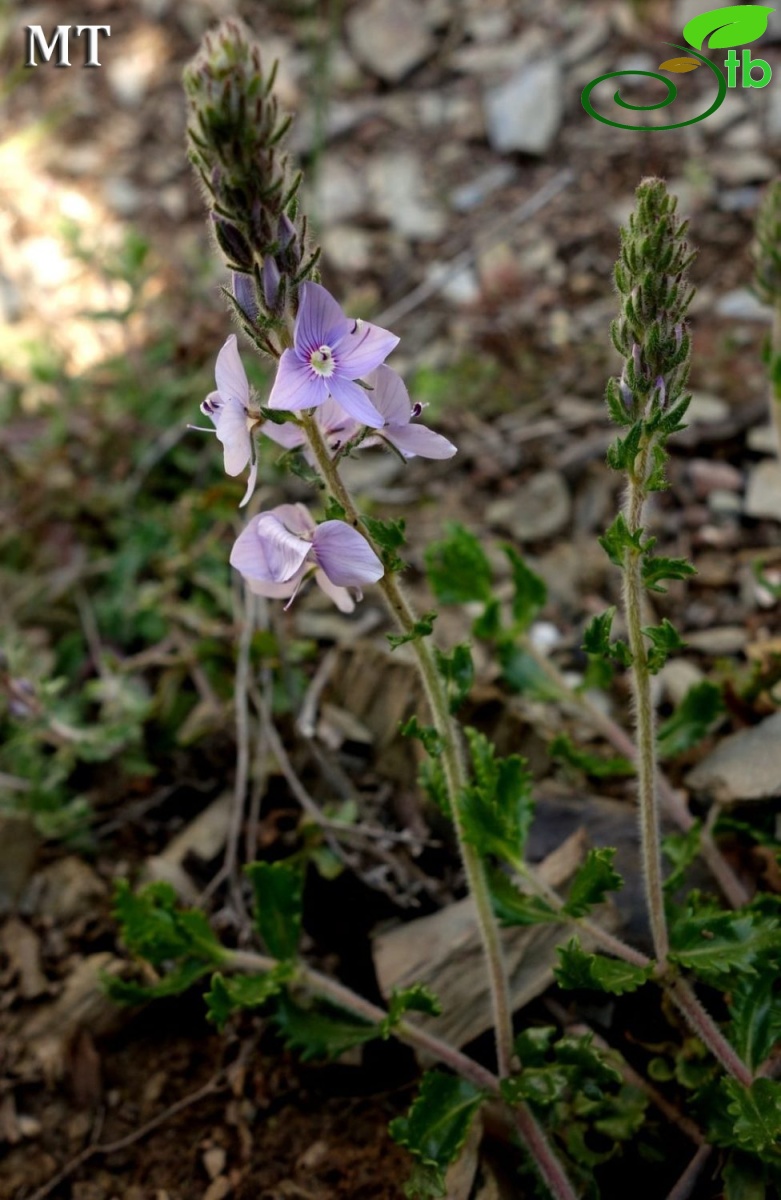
[
  {"x": 671, "y": 801},
  {"x": 683, "y": 996},
  {"x": 539, "y": 1147},
  {"x": 645, "y": 732},
  {"x": 452, "y": 754}
]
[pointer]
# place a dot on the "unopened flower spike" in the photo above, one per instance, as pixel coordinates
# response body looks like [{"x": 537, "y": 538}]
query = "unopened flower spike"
[
  {"x": 280, "y": 549},
  {"x": 330, "y": 352},
  {"x": 233, "y": 418}
]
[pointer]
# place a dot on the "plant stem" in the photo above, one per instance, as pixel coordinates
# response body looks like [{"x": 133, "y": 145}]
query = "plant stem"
[
  {"x": 775, "y": 382},
  {"x": 707, "y": 1030},
  {"x": 452, "y": 755},
  {"x": 542, "y": 1152},
  {"x": 645, "y": 732},
  {"x": 671, "y": 801}
]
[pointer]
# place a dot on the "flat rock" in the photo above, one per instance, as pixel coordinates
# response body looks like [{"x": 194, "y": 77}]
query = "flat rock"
[
  {"x": 745, "y": 766},
  {"x": 763, "y": 492},
  {"x": 338, "y": 193},
  {"x": 539, "y": 508},
  {"x": 525, "y": 112},
  {"x": 721, "y": 639},
  {"x": 399, "y": 193},
  {"x": 389, "y": 37},
  {"x": 742, "y": 305}
]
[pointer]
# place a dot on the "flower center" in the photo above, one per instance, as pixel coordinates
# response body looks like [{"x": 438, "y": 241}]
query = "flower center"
[{"x": 321, "y": 360}]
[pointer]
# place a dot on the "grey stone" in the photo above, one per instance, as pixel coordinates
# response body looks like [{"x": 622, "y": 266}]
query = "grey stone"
[
  {"x": 525, "y": 113},
  {"x": 742, "y": 305},
  {"x": 721, "y": 639},
  {"x": 469, "y": 195},
  {"x": 348, "y": 248},
  {"x": 706, "y": 409},
  {"x": 389, "y": 37},
  {"x": 399, "y": 193},
  {"x": 763, "y": 493},
  {"x": 337, "y": 192},
  {"x": 763, "y": 439},
  {"x": 539, "y": 508},
  {"x": 745, "y": 766},
  {"x": 739, "y": 167}
]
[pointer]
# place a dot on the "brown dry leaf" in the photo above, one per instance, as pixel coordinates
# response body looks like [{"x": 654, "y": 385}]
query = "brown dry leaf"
[{"x": 680, "y": 65}]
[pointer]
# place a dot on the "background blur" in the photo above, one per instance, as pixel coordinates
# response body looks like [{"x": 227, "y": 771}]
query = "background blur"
[{"x": 431, "y": 133}]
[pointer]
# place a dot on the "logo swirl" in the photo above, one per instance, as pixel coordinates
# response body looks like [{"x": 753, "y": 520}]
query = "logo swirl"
[{"x": 672, "y": 93}]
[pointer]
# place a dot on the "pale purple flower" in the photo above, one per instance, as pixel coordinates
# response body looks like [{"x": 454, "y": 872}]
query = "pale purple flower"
[
  {"x": 329, "y": 353},
  {"x": 228, "y": 409},
  {"x": 281, "y": 548},
  {"x": 391, "y": 399}
]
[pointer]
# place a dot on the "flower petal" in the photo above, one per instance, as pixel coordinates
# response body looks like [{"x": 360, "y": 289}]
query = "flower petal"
[
  {"x": 296, "y": 385},
  {"x": 288, "y": 435},
  {"x": 230, "y": 374},
  {"x": 230, "y": 421},
  {"x": 267, "y": 551},
  {"x": 344, "y": 554},
  {"x": 340, "y": 596},
  {"x": 296, "y": 518},
  {"x": 355, "y": 401},
  {"x": 390, "y": 396},
  {"x": 419, "y": 439},
  {"x": 277, "y": 591},
  {"x": 363, "y": 349},
  {"x": 251, "y": 481},
  {"x": 320, "y": 320}
]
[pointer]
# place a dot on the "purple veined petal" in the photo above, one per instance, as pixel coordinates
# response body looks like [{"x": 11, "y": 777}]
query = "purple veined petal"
[
  {"x": 275, "y": 591},
  {"x": 320, "y": 320},
  {"x": 289, "y": 436},
  {"x": 211, "y": 405},
  {"x": 253, "y": 478},
  {"x": 230, "y": 422},
  {"x": 333, "y": 420},
  {"x": 296, "y": 385},
  {"x": 363, "y": 350},
  {"x": 390, "y": 396},
  {"x": 419, "y": 439},
  {"x": 355, "y": 401},
  {"x": 267, "y": 551},
  {"x": 296, "y": 518},
  {"x": 340, "y": 596},
  {"x": 230, "y": 374},
  {"x": 344, "y": 554}
]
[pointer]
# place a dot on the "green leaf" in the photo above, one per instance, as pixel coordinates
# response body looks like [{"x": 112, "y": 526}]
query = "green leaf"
[
  {"x": 596, "y": 635},
  {"x": 577, "y": 969},
  {"x": 423, "y": 627},
  {"x": 523, "y": 673},
  {"x": 426, "y": 734},
  {"x": 713, "y": 943},
  {"x": 664, "y": 639},
  {"x": 681, "y": 849},
  {"x": 593, "y": 880},
  {"x": 539, "y": 1085},
  {"x": 497, "y": 809},
  {"x": 436, "y": 1127},
  {"x": 229, "y": 994},
  {"x": 155, "y": 927},
  {"x": 692, "y": 720},
  {"x": 657, "y": 569},
  {"x": 334, "y": 511},
  {"x": 755, "y": 1008},
  {"x": 278, "y": 889},
  {"x": 530, "y": 592},
  {"x": 623, "y": 452},
  {"x": 618, "y": 538},
  {"x": 562, "y": 749},
  {"x": 321, "y": 1031},
  {"x": 390, "y": 536},
  {"x": 735, "y": 25},
  {"x": 417, "y": 998},
  {"x": 173, "y": 983},
  {"x": 458, "y": 569},
  {"x": 744, "y": 1178},
  {"x": 757, "y": 1113},
  {"x": 513, "y": 907},
  {"x": 615, "y": 403},
  {"x": 458, "y": 671},
  {"x": 488, "y": 626}
]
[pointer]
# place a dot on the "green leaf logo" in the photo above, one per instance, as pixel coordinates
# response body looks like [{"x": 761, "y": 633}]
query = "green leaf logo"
[{"x": 735, "y": 25}]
